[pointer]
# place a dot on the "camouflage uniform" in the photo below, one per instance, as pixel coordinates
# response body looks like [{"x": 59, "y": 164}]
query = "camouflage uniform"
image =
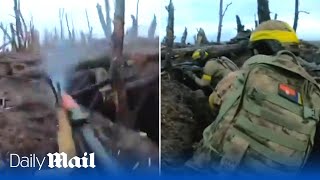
[
  {"x": 214, "y": 70},
  {"x": 268, "y": 114}
]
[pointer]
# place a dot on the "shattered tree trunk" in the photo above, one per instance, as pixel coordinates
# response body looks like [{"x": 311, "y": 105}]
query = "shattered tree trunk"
[
  {"x": 61, "y": 14},
  {"x": 69, "y": 31},
  {"x": 255, "y": 21},
  {"x": 220, "y": 21},
  {"x": 240, "y": 27},
  {"x": 118, "y": 83},
  {"x": 13, "y": 38},
  {"x": 3, "y": 47},
  {"x": 19, "y": 31},
  {"x": 135, "y": 28},
  {"x": 170, "y": 33},
  {"x": 5, "y": 35},
  {"x": 296, "y": 15},
  {"x": 105, "y": 23},
  {"x": 184, "y": 36},
  {"x": 133, "y": 32},
  {"x": 24, "y": 31},
  {"x": 263, "y": 11},
  {"x": 89, "y": 27},
  {"x": 221, "y": 15},
  {"x": 201, "y": 38},
  {"x": 73, "y": 31},
  {"x": 102, "y": 21},
  {"x": 108, "y": 19},
  {"x": 152, "y": 28}
]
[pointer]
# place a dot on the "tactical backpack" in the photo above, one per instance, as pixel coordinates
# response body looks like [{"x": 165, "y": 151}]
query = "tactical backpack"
[
  {"x": 267, "y": 121},
  {"x": 216, "y": 69}
]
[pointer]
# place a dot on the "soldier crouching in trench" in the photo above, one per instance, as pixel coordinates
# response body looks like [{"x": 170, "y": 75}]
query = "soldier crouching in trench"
[{"x": 268, "y": 111}]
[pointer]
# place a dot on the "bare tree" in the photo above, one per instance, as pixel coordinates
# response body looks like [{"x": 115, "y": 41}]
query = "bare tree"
[
  {"x": 89, "y": 26},
  {"x": 170, "y": 26},
  {"x": 133, "y": 31},
  {"x": 73, "y": 30},
  {"x": 61, "y": 14},
  {"x": 102, "y": 21},
  {"x": 18, "y": 31},
  {"x": 5, "y": 37},
  {"x": 201, "y": 38},
  {"x": 13, "y": 38},
  {"x": 184, "y": 36},
  {"x": 108, "y": 19},
  {"x": 240, "y": 27},
  {"x": 5, "y": 32},
  {"x": 69, "y": 31},
  {"x": 169, "y": 39},
  {"x": 152, "y": 28},
  {"x": 263, "y": 11},
  {"x": 137, "y": 21},
  {"x": 105, "y": 22},
  {"x": 296, "y": 15},
  {"x": 221, "y": 15},
  {"x": 118, "y": 84},
  {"x": 255, "y": 21}
]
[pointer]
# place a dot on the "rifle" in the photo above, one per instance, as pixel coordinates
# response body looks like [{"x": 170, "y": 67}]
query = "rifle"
[{"x": 80, "y": 122}]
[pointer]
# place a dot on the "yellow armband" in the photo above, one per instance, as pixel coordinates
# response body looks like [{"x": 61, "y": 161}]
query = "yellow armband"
[{"x": 206, "y": 77}]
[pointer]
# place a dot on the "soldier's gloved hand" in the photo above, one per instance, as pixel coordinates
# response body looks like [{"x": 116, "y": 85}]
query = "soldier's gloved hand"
[
  {"x": 68, "y": 103},
  {"x": 76, "y": 114}
]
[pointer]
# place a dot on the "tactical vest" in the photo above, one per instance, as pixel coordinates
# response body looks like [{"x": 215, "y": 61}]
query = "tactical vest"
[{"x": 268, "y": 120}]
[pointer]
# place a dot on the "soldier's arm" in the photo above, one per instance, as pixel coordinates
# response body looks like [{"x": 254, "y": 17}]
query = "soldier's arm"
[{"x": 204, "y": 81}]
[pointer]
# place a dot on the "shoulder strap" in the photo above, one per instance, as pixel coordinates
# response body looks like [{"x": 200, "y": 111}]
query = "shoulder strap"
[{"x": 274, "y": 61}]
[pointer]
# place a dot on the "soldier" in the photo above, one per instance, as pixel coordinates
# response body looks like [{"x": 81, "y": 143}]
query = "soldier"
[
  {"x": 214, "y": 69},
  {"x": 268, "y": 110}
]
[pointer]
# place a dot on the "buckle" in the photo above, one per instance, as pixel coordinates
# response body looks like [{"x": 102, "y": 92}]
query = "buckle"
[{"x": 310, "y": 113}]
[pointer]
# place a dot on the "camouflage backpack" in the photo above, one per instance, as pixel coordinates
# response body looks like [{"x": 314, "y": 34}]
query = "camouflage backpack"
[
  {"x": 267, "y": 121},
  {"x": 216, "y": 69}
]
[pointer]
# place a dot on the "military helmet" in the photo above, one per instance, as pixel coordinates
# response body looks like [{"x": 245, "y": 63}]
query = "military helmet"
[
  {"x": 199, "y": 54},
  {"x": 274, "y": 35}
]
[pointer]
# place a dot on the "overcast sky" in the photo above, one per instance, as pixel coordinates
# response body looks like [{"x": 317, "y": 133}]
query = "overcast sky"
[
  {"x": 193, "y": 15},
  {"x": 46, "y": 13}
]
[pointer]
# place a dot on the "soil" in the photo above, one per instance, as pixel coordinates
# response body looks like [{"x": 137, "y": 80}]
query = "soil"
[{"x": 184, "y": 115}]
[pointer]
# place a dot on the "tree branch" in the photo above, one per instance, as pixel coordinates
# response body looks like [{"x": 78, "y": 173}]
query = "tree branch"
[
  {"x": 4, "y": 45},
  {"x": 61, "y": 14},
  {"x": 102, "y": 21},
  {"x": 67, "y": 21},
  {"x": 4, "y": 31},
  {"x": 226, "y": 9},
  {"x": 306, "y": 12},
  {"x": 89, "y": 26}
]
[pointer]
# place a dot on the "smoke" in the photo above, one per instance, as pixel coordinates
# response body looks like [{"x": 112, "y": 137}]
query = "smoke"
[{"x": 60, "y": 61}]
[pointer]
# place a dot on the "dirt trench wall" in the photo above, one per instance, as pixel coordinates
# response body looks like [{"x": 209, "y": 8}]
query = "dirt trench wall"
[{"x": 184, "y": 115}]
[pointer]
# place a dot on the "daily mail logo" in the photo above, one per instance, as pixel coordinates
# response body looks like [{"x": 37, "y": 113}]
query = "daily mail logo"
[{"x": 55, "y": 160}]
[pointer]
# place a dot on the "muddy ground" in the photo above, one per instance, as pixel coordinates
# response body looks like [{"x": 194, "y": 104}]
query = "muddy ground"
[{"x": 184, "y": 115}]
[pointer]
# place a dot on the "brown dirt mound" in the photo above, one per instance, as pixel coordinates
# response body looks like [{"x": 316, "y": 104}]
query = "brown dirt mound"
[
  {"x": 28, "y": 122},
  {"x": 184, "y": 115}
]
